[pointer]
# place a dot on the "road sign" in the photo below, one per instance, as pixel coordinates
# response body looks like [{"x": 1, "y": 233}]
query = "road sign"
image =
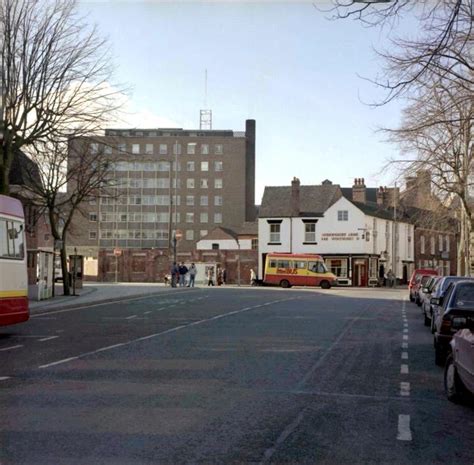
[
  {"x": 117, "y": 252},
  {"x": 178, "y": 234}
]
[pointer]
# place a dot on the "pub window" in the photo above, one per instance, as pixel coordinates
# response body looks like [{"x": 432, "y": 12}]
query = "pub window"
[
  {"x": 274, "y": 233},
  {"x": 342, "y": 215},
  {"x": 310, "y": 232}
]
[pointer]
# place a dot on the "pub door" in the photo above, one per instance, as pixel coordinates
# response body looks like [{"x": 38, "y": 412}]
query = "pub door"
[{"x": 359, "y": 273}]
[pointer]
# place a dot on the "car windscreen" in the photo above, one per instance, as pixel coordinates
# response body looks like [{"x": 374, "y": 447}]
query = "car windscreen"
[
  {"x": 448, "y": 281},
  {"x": 424, "y": 280},
  {"x": 464, "y": 296}
]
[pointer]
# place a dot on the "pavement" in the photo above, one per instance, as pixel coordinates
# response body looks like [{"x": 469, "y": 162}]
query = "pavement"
[{"x": 229, "y": 376}]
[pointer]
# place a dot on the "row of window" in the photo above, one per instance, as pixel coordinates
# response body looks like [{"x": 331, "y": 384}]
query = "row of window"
[
  {"x": 135, "y": 234},
  {"x": 191, "y": 200},
  {"x": 443, "y": 244},
  {"x": 164, "y": 166},
  {"x": 309, "y": 232},
  {"x": 153, "y": 217},
  {"x": 163, "y": 149}
]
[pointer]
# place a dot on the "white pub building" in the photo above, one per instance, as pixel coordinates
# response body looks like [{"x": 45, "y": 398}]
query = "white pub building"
[{"x": 357, "y": 230}]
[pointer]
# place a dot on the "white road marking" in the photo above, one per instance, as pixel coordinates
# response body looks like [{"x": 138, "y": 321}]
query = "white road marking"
[
  {"x": 48, "y": 338},
  {"x": 404, "y": 369},
  {"x": 3, "y": 378},
  {"x": 146, "y": 313},
  {"x": 405, "y": 355},
  {"x": 131, "y": 317},
  {"x": 11, "y": 347},
  {"x": 404, "y": 431},
  {"x": 405, "y": 337},
  {"x": 405, "y": 330},
  {"x": 404, "y": 389},
  {"x": 404, "y": 345},
  {"x": 150, "y": 336}
]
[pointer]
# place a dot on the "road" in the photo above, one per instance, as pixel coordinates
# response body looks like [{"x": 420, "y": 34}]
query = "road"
[{"x": 229, "y": 376}]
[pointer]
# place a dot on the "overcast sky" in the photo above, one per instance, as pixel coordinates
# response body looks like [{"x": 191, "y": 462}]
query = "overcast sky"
[{"x": 283, "y": 64}]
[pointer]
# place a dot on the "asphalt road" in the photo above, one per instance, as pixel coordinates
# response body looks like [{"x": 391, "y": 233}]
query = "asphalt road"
[{"x": 229, "y": 376}]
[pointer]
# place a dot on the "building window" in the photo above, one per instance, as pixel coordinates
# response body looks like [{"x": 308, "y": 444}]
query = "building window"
[
  {"x": 190, "y": 166},
  {"x": 189, "y": 235},
  {"x": 189, "y": 217},
  {"x": 433, "y": 245},
  {"x": 218, "y": 166},
  {"x": 218, "y": 183},
  {"x": 190, "y": 183},
  {"x": 275, "y": 232},
  {"x": 122, "y": 148},
  {"x": 92, "y": 235},
  {"x": 203, "y": 232},
  {"x": 337, "y": 267},
  {"x": 93, "y": 201},
  {"x": 342, "y": 215},
  {"x": 204, "y": 218},
  {"x": 135, "y": 149},
  {"x": 204, "y": 149},
  {"x": 440, "y": 243},
  {"x": 218, "y": 149},
  {"x": 93, "y": 216},
  {"x": 176, "y": 149},
  {"x": 217, "y": 217},
  {"x": 254, "y": 244},
  {"x": 190, "y": 200},
  {"x": 204, "y": 201},
  {"x": 94, "y": 148},
  {"x": 422, "y": 244},
  {"x": 204, "y": 183},
  {"x": 108, "y": 150},
  {"x": 218, "y": 200},
  {"x": 447, "y": 244},
  {"x": 149, "y": 149},
  {"x": 204, "y": 166},
  {"x": 215, "y": 246},
  {"x": 310, "y": 232},
  {"x": 163, "y": 149},
  {"x": 191, "y": 150}
]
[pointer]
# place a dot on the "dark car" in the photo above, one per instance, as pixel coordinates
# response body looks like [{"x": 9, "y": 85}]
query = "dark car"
[
  {"x": 456, "y": 304},
  {"x": 439, "y": 291},
  {"x": 425, "y": 297},
  {"x": 417, "y": 280},
  {"x": 459, "y": 369}
]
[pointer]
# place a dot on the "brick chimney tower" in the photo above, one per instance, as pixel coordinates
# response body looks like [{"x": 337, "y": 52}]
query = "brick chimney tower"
[
  {"x": 295, "y": 197},
  {"x": 358, "y": 191}
]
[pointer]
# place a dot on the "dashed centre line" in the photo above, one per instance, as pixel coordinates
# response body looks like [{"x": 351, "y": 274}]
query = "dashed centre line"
[
  {"x": 11, "y": 347},
  {"x": 404, "y": 431},
  {"x": 404, "y": 369},
  {"x": 49, "y": 338}
]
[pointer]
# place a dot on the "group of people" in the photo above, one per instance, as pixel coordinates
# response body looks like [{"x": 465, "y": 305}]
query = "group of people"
[
  {"x": 221, "y": 276},
  {"x": 179, "y": 272}
]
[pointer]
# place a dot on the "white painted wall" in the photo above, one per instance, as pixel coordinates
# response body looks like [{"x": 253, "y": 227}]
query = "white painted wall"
[{"x": 224, "y": 244}]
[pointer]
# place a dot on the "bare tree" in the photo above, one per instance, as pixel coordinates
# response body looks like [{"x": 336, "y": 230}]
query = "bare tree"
[
  {"x": 436, "y": 135},
  {"x": 55, "y": 73},
  {"x": 79, "y": 164},
  {"x": 443, "y": 47}
]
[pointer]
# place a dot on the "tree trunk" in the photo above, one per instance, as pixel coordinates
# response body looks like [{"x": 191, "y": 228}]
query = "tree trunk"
[
  {"x": 66, "y": 283},
  {"x": 4, "y": 187}
]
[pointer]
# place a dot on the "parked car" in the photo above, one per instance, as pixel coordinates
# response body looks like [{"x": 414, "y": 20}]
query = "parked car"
[
  {"x": 459, "y": 369},
  {"x": 439, "y": 291},
  {"x": 418, "y": 277},
  {"x": 425, "y": 297},
  {"x": 457, "y": 304}
]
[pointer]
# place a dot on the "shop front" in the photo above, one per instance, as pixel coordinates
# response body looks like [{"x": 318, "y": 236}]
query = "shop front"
[{"x": 354, "y": 270}]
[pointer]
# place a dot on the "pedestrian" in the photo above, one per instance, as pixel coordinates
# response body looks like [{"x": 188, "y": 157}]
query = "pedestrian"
[
  {"x": 174, "y": 271},
  {"x": 224, "y": 276},
  {"x": 253, "y": 277},
  {"x": 390, "y": 278},
  {"x": 192, "y": 275},
  {"x": 210, "y": 276},
  {"x": 219, "y": 276},
  {"x": 183, "y": 271}
]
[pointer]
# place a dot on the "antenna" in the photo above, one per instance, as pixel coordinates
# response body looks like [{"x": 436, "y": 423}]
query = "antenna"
[{"x": 205, "y": 117}]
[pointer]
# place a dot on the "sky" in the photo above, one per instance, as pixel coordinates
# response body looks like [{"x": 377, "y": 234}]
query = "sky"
[{"x": 284, "y": 64}]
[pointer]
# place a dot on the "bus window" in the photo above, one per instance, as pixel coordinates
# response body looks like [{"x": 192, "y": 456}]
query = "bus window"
[
  {"x": 283, "y": 264},
  {"x": 11, "y": 239},
  {"x": 317, "y": 267},
  {"x": 273, "y": 264},
  {"x": 300, "y": 265}
]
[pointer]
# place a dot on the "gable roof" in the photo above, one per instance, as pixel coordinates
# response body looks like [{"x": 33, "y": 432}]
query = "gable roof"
[
  {"x": 248, "y": 228},
  {"x": 220, "y": 233},
  {"x": 314, "y": 200}
]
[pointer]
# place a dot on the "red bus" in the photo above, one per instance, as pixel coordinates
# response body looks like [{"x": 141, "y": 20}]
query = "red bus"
[
  {"x": 286, "y": 270},
  {"x": 13, "y": 273}
]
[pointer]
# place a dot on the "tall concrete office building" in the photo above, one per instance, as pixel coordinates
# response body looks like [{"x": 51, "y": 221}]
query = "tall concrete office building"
[{"x": 209, "y": 175}]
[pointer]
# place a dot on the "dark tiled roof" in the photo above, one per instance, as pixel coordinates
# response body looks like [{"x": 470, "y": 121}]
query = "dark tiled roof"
[
  {"x": 370, "y": 193},
  {"x": 386, "y": 213},
  {"x": 249, "y": 228},
  {"x": 24, "y": 171},
  {"x": 314, "y": 200}
]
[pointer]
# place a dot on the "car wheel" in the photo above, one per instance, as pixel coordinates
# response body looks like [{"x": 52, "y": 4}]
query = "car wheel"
[
  {"x": 426, "y": 319},
  {"x": 285, "y": 283},
  {"x": 452, "y": 383},
  {"x": 418, "y": 301},
  {"x": 432, "y": 324},
  {"x": 325, "y": 285},
  {"x": 440, "y": 355},
  {"x": 411, "y": 298}
]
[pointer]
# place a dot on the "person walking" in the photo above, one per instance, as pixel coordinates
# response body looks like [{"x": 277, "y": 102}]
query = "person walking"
[
  {"x": 253, "y": 277},
  {"x": 390, "y": 278},
  {"x": 183, "y": 271},
  {"x": 224, "y": 276},
  {"x": 210, "y": 276},
  {"x": 192, "y": 275},
  {"x": 174, "y": 271}
]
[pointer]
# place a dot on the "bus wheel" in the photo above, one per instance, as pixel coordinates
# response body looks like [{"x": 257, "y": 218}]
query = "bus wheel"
[
  {"x": 325, "y": 285},
  {"x": 285, "y": 283}
]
